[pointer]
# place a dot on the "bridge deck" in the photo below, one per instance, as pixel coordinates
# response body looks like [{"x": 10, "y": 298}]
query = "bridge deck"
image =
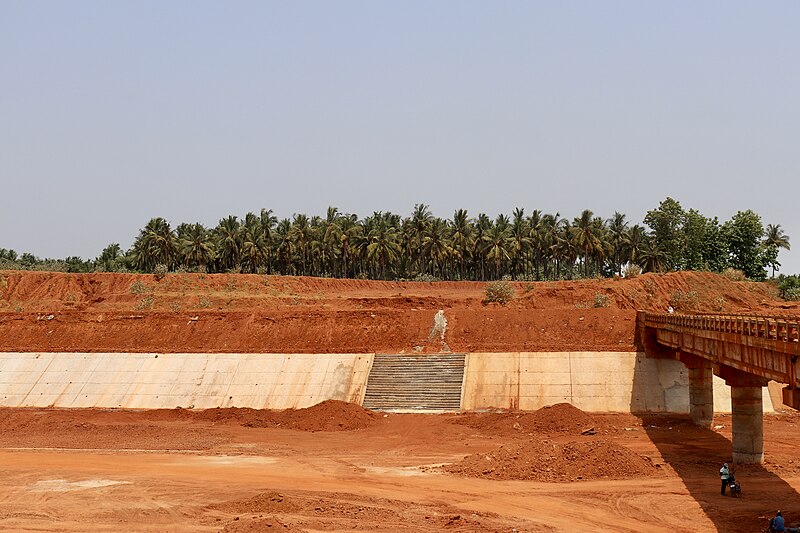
[{"x": 760, "y": 348}]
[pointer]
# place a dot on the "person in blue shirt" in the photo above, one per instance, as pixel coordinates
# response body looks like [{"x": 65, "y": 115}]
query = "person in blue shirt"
[{"x": 777, "y": 523}]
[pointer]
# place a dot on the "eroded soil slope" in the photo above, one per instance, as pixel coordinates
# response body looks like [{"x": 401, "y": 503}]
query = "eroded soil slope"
[{"x": 41, "y": 311}]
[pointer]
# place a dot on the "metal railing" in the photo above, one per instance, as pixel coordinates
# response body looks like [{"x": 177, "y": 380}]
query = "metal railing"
[{"x": 785, "y": 329}]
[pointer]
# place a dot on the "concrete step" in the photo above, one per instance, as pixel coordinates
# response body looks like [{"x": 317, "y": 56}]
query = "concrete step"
[{"x": 412, "y": 383}]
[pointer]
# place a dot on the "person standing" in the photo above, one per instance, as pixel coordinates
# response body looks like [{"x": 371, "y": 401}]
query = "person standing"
[{"x": 724, "y": 476}]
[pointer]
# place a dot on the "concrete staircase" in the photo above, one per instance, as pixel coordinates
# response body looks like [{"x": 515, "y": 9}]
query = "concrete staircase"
[{"x": 415, "y": 382}]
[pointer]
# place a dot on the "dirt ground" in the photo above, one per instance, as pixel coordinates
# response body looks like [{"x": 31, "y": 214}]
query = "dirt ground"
[
  {"x": 45, "y": 311},
  {"x": 339, "y": 468},
  {"x": 235, "y": 470}
]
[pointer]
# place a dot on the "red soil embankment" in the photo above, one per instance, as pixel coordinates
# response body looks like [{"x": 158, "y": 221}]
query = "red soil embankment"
[{"x": 238, "y": 313}]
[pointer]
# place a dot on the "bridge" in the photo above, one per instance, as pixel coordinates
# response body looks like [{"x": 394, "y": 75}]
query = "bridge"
[{"x": 746, "y": 351}]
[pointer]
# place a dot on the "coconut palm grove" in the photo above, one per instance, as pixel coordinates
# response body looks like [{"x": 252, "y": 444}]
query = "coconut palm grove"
[{"x": 528, "y": 246}]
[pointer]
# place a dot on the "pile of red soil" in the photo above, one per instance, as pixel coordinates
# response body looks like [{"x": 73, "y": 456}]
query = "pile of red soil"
[
  {"x": 558, "y": 418},
  {"x": 548, "y": 461},
  {"x": 265, "y": 502},
  {"x": 259, "y": 525},
  {"x": 62, "y": 428},
  {"x": 348, "y": 512},
  {"x": 330, "y": 415}
]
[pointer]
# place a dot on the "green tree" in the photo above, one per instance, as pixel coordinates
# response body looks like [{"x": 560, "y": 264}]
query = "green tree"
[
  {"x": 715, "y": 246},
  {"x": 744, "y": 232},
  {"x": 666, "y": 224}
]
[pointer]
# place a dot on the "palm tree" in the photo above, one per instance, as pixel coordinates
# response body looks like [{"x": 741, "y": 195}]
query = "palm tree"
[
  {"x": 537, "y": 234},
  {"x": 285, "y": 247},
  {"x": 498, "y": 241},
  {"x": 107, "y": 258},
  {"x": 268, "y": 221},
  {"x": 383, "y": 247},
  {"x": 775, "y": 239},
  {"x": 154, "y": 245},
  {"x": 652, "y": 258},
  {"x": 461, "y": 239},
  {"x": 564, "y": 250},
  {"x": 302, "y": 234},
  {"x": 196, "y": 246},
  {"x": 326, "y": 245},
  {"x": 618, "y": 239},
  {"x": 775, "y": 236},
  {"x": 420, "y": 220},
  {"x": 520, "y": 242},
  {"x": 435, "y": 246},
  {"x": 254, "y": 250},
  {"x": 585, "y": 237},
  {"x": 637, "y": 242},
  {"x": 228, "y": 243},
  {"x": 349, "y": 232},
  {"x": 553, "y": 227},
  {"x": 482, "y": 227}
]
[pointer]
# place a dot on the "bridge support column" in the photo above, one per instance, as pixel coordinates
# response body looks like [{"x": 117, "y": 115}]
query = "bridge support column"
[
  {"x": 748, "y": 414},
  {"x": 748, "y": 424},
  {"x": 701, "y": 394}
]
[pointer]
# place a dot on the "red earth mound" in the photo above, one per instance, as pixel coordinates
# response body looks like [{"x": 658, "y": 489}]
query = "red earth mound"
[
  {"x": 348, "y": 512},
  {"x": 54, "y": 428},
  {"x": 330, "y": 415},
  {"x": 545, "y": 460},
  {"x": 259, "y": 525},
  {"x": 243, "y": 313},
  {"x": 558, "y": 418}
]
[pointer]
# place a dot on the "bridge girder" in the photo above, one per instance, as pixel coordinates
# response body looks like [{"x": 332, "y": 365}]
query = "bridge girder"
[{"x": 745, "y": 351}]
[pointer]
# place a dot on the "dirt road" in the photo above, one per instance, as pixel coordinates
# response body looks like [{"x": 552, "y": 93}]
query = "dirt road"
[{"x": 181, "y": 471}]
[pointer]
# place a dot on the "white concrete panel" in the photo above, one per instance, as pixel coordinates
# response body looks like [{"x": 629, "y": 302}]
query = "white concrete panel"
[
  {"x": 593, "y": 381},
  {"x": 170, "y": 380}
]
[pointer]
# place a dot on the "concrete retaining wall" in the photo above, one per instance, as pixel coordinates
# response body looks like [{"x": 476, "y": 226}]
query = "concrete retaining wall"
[
  {"x": 591, "y": 381},
  {"x": 154, "y": 381}
]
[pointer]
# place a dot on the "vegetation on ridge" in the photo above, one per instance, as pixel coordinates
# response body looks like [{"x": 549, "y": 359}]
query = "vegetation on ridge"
[{"x": 538, "y": 246}]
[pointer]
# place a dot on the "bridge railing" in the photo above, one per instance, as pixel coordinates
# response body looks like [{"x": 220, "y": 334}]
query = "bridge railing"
[{"x": 767, "y": 327}]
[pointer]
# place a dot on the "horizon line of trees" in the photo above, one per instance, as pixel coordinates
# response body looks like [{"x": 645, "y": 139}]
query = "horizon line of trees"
[{"x": 384, "y": 245}]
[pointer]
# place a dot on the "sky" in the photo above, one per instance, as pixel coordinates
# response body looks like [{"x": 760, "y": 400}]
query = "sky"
[{"x": 112, "y": 113}]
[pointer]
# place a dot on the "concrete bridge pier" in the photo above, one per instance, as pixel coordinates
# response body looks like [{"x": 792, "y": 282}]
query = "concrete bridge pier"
[
  {"x": 747, "y": 416},
  {"x": 701, "y": 392}
]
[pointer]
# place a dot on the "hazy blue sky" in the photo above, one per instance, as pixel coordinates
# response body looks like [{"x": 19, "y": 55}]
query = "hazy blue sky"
[{"x": 115, "y": 112}]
